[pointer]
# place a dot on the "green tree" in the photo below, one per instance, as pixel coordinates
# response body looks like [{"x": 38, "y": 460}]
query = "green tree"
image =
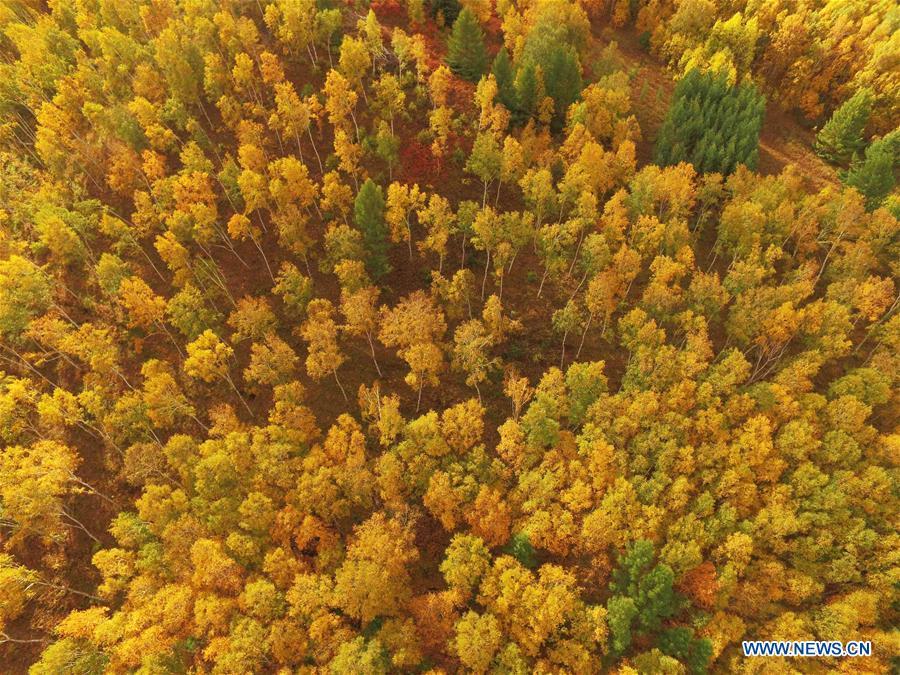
[
  {"x": 562, "y": 81},
  {"x": 466, "y": 53},
  {"x": 875, "y": 175},
  {"x": 527, "y": 93},
  {"x": 681, "y": 643},
  {"x": 502, "y": 69},
  {"x": 642, "y": 595},
  {"x": 447, "y": 10},
  {"x": 368, "y": 214},
  {"x": 842, "y": 135}
]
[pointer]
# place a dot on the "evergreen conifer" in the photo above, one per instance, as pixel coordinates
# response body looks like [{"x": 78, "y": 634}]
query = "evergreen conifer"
[
  {"x": 842, "y": 135},
  {"x": 368, "y": 214},
  {"x": 562, "y": 80},
  {"x": 874, "y": 176},
  {"x": 503, "y": 73},
  {"x": 526, "y": 93},
  {"x": 466, "y": 54},
  {"x": 448, "y": 10}
]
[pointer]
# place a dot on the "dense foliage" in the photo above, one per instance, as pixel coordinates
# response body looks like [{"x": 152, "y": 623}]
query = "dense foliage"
[
  {"x": 335, "y": 340},
  {"x": 711, "y": 124}
]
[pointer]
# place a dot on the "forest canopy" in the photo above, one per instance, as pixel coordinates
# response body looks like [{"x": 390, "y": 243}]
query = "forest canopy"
[{"x": 536, "y": 336}]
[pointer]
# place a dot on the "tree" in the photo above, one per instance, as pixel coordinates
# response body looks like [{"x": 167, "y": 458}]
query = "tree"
[
  {"x": 37, "y": 481},
  {"x": 402, "y": 201},
  {"x": 390, "y": 97},
  {"x": 529, "y": 93},
  {"x": 562, "y": 81},
  {"x": 320, "y": 333},
  {"x": 294, "y": 116},
  {"x": 504, "y": 74},
  {"x": 642, "y": 595},
  {"x": 875, "y": 175},
  {"x": 478, "y": 638},
  {"x": 486, "y": 237},
  {"x": 360, "y": 656},
  {"x": 485, "y": 161},
  {"x": 439, "y": 123},
  {"x": 842, "y": 136},
  {"x": 361, "y": 315},
  {"x": 294, "y": 288},
  {"x": 566, "y": 320},
  {"x": 466, "y": 561},
  {"x": 471, "y": 344},
  {"x": 374, "y": 579},
  {"x": 439, "y": 85},
  {"x": 252, "y": 319},
  {"x": 368, "y": 214},
  {"x": 466, "y": 54},
  {"x": 416, "y": 327},
  {"x": 354, "y": 62},
  {"x": 348, "y": 153},
  {"x": 240, "y": 227},
  {"x": 191, "y": 313},
  {"x": 24, "y": 293},
  {"x": 445, "y": 11},
  {"x": 340, "y": 100},
  {"x": 208, "y": 359},
  {"x": 438, "y": 219},
  {"x": 490, "y": 516},
  {"x": 335, "y": 195},
  {"x": 272, "y": 362}
]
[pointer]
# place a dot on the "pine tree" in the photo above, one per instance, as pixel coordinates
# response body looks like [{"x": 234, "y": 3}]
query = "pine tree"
[
  {"x": 874, "y": 176},
  {"x": 466, "y": 54},
  {"x": 368, "y": 214},
  {"x": 506, "y": 85},
  {"x": 562, "y": 79},
  {"x": 842, "y": 135},
  {"x": 448, "y": 10},
  {"x": 526, "y": 93}
]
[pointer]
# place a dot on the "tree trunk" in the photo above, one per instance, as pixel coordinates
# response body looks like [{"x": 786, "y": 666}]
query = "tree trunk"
[
  {"x": 238, "y": 393},
  {"x": 338, "y": 380},
  {"x": 577, "y": 249},
  {"x": 77, "y": 523},
  {"x": 315, "y": 150},
  {"x": 583, "y": 335},
  {"x": 543, "y": 279},
  {"x": 265, "y": 259},
  {"x": 409, "y": 238},
  {"x": 372, "y": 349}
]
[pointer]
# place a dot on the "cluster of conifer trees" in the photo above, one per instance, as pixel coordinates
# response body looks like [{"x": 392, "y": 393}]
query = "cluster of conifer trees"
[{"x": 711, "y": 124}]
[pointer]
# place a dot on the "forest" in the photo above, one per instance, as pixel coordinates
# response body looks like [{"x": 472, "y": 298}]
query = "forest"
[{"x": 448, "y": 336}]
